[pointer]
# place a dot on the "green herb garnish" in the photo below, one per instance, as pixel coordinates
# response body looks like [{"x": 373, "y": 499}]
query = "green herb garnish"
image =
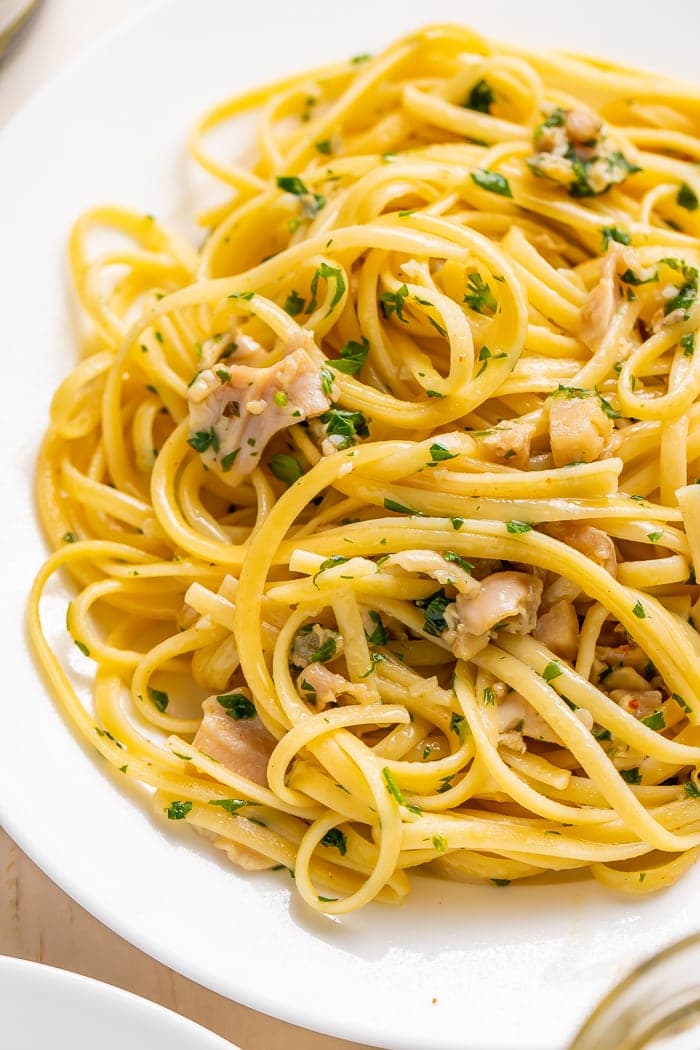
[{"x": 237, "y": 706}]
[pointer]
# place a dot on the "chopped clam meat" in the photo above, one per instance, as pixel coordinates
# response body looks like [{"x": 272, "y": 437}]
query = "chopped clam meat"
[
  {"x": 315, "y": 644},
  {"x": 598, "y": 311},
  {"x": 641, "y": 703},
  {"x": 508, "y": 443},
  {"x": 626, "y": 655},
  {"x": 327, "y": 686},
  {"x": 579, "y": 429},
  {"x": 243, "y": 745},
  {"x": 220, "y": 349},
  {"x": 235, "y": 409},
  {"x": 558, "y": 630},
  {"x": 589, "y": 540},
  {"x": 516, "y": 714},
  {"x": 244, "y": 857},
  {"x": 583, "y": 127},
  {"x": 625, "y": 678},
  {"x": 507, "y": 600},
  {"x": 573, "y": 150},
  {"x": 435, "y": 565}
]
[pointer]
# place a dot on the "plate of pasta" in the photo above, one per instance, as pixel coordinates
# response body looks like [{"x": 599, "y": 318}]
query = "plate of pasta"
[{"x": 356, "y": 477}]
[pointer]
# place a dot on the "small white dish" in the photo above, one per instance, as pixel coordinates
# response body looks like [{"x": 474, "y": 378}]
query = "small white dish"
[{"x": 41, "y": 1006}]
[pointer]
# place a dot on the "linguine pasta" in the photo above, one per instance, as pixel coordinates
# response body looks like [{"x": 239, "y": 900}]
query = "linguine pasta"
[{"x": 380, "y": 507}]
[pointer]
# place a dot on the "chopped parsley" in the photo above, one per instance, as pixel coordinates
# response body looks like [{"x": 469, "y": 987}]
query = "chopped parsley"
[
  {"x": 457, "y": 523},
  {"x": 691, "y": 789},
  {"x": 178, "y": 810},
  {"x": 311, "y": 202},
  {"x": 379, "y": 634},
  {"x": 630, "y": 277},
  {"x": 687, "y": 197},
  {"x": 655, "y": 720},
  {"x": 479, "y": 296},
  {"x": 489, "y": 696},
  {"x": 457, "y": 560},
  {"x": 492, "y": 181},
  {"x": 401, "y": 508},
  {"x": 459, "y": 725},
  {"x": 159, "y": 697},
  {"x": 485, "y": 356},
  {"x": 552, "y": 671},
  {"x": 638, "y": 610},
  {"x": 326, "y": 378},
  {"x": 327, "y": 273},
  {"x": 345, "y": 426},
  {"x": 480, "y": 98},
  {"x": 237, "y": 706},
  {"x": 294, "y": 304},
  {"x": 202, "y": 440},
  {"x": 324, "y": 146},
  {"x": 393, "y": 303},
  {"x": 439, "y": 843},
  {"x": 614, "y": 233},
  {"x": 69, "y": 537},
  {"x": 655, "y": 536},
  {"x": 324, "y": 652},
  {"x": 396, "y": 792},
  {"x": 688, "y": 291},
  {"x": 352, "y": 357},
  {"x": 335, "y": 839},
  {"x": 439, "y": 452},
  {"x": 433, "y": 611},
  {"x": 374, "y": 659},
  {"x": 515, "y": 527},
  {"x": 335, "y": 559},
  {"x": 82, "y": 646},
  {"x": 681, "y": 703},
  {"x": 631, "y": 776},
  {"x": 286, "y": 468},
  {"x": 688, "y": 344},
  {"x": 231, "y": 805},
  {"x": 228, "y": 460}
]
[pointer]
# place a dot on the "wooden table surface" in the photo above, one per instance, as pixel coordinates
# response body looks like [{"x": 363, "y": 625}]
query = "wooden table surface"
[{"x": 37, "y": 920}]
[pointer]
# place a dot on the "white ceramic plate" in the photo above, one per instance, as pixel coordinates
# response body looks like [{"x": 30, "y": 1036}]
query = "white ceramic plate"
[
  {"x": 44, "y": 1007},
  {"x": 456, "y": 967}
]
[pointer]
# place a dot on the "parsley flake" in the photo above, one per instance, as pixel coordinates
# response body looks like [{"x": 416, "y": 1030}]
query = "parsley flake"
[
  {"x": 178, "y": 810},
  {"x": 687, "y": 198},
  {"x": 552, "y": 671},
  {"x": 335, "y": 839},
  {"x": 480, "y": 98},
  {"x": 159, "y": 697},
  {"x": 515, "y": 527},
  {"x": 352, "y": 357},
  {"x": 492, "y": 181},
  {"x": 286, "y": 468},
  {"x": 439, "y": 452},
  {"x": 237, "y": 706}
]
